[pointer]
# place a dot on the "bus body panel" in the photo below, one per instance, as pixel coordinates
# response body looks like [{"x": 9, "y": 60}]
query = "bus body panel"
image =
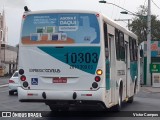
[{"x": 44, "y": 69}]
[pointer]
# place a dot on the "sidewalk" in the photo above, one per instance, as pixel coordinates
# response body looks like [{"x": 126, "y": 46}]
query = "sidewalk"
[{"x": 150, "y": 89}]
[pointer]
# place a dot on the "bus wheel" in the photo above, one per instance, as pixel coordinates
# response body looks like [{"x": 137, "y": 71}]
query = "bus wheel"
[
  {"x": 119, "y": 105},
  {"x": 11, "y": 92},
  {"x": 56, "y": 109},
  {"x": 135, "y": 87},
  {"x": 130, "y": 100}
]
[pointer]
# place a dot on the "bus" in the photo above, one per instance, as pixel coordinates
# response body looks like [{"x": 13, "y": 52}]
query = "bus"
[{"x": 71, "y": 58}]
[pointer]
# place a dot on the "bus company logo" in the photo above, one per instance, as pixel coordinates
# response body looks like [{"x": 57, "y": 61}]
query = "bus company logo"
[{"x": 45, "y": 70}]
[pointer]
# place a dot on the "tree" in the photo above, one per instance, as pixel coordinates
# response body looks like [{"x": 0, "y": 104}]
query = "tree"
[{"x": 139, "y": 25}]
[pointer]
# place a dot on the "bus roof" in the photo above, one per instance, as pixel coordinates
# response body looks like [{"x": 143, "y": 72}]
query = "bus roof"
[{"x": 60, "y": 11}]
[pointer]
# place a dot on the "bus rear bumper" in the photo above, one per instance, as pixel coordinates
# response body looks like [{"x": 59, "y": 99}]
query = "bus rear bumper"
[{"x": 54, "y": 96}]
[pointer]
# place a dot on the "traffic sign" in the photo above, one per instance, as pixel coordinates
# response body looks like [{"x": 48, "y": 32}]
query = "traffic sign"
[{"x": 155, "y": 68}]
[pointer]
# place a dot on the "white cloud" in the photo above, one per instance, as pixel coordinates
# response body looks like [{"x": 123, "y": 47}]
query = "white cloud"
[
  {"x": 13, "y": 3},
  {"x": 13, "y": 12}
]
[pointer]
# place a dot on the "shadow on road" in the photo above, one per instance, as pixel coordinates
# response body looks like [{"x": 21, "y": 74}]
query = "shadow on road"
[{"x": 89, "y": 113}]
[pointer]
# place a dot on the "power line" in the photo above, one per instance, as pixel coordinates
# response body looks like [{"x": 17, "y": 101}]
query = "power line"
[
  {"x": 123, "y": 7},
  {"x": 155, "y": 4}
]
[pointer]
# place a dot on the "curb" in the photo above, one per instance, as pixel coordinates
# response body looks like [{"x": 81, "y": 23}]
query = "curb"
[
  {"x": 150, "y": 91},
  {"x": 5, "y": 85}
]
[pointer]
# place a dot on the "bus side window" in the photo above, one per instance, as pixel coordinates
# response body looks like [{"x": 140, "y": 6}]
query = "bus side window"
[
  {"x": 117, "y": 42},
  {"x": 106, "y": 40},
  {"x": 133, "y": 49},
  {"x": 122, "y": 47}
]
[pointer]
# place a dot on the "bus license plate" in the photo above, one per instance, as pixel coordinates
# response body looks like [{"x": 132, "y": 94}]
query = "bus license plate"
[{"x": 59, "y": 80}]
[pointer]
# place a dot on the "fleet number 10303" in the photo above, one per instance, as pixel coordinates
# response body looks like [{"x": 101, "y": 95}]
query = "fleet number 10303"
[{"x": 81, "y": 57}]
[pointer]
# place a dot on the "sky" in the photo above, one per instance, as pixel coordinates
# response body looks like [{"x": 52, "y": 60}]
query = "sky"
[{"x": 14, "y": 10}]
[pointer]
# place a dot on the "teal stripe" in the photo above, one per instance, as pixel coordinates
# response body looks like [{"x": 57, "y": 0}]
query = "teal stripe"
[
  {"x": 107, "y": 75},
  {"x": 133, "y": 69},
  {"x": 61, "y": 54}
]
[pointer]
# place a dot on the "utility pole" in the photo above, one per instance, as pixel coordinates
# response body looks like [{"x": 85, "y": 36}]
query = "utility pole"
[{"x": 149, "y": 43}]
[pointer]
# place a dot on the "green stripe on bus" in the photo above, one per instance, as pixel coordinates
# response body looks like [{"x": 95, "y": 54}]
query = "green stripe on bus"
[
  {"x": 133, "y": 69},
  {"x": 83, "y": 58},
  {"x": 107, "y": 75}
]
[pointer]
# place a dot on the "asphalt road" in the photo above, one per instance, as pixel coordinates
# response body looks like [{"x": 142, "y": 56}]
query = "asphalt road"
[{"x": 144, "y": 101}]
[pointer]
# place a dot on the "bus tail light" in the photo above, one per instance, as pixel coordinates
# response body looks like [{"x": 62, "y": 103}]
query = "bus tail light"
[
  {"x": 97, "y": 15},
  {"x": 24, "y": 16},
  {"x": 97, "y": 78},
  {"x": 99, "y": 72},
  {"x": 21, "y": 71},
  {"x": 23, "y": 78},
  {"x": 88, "y": 94},
  {"x": 30, "y": 94},
  {"x": 94, "y": 85},
  {"x": 25, "y": 84}
]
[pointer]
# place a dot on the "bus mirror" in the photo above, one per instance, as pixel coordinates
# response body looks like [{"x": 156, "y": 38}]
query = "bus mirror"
[{"x": 141, "y": 53}]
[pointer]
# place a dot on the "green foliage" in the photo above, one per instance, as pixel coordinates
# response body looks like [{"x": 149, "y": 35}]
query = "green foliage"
[{"x": 139, "y": 25}]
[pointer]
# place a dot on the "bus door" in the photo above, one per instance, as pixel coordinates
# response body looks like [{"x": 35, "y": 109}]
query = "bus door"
[
  {"x": 112, "y": 67},
  {"x": 127, "y": 66}
]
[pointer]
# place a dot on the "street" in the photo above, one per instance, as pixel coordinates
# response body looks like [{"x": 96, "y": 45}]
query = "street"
[{"x": 144, "y": 101}]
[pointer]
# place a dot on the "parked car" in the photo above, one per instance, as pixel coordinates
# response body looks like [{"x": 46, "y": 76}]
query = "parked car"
[{"x": 13, "y": 83}]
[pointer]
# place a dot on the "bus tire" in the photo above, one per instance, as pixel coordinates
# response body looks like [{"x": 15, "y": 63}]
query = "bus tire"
[
  {"x": 130, "y": 99},
  {"x": 119, "y": 105},
  {"x": 11, "y": 92},
  {"x": 135, "y": 87},
  {"x": 56, "y": 108}
]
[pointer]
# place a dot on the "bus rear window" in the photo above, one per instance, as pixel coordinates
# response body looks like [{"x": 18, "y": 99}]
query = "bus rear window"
[{"x": 60, "y": 29}]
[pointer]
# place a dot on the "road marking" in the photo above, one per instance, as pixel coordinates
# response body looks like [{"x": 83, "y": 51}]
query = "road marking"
[{"x": 5, "y": 85}]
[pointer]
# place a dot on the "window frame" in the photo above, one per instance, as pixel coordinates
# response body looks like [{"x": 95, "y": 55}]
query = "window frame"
[
  {"x": 133, "y": 49},
  {"x": 120, "y": 46},
  {"x": 106, "y": 39}
]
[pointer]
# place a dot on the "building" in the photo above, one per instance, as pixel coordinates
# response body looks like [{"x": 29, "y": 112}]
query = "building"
[
  {"x": 9, "y": 58},
  {"x": 154, "y": 66},
  {"x": 8, "y": 54},
  {"x": 3, "y": 28}
]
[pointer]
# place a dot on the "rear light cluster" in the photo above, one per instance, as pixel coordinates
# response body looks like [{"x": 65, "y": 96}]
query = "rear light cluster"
[
  {"x": 23, "y": 78},
  {"x": 24, "y": 16},
  {"x": 99, "y": 72},
  {"x": 21, "y": 71},
  {"x": 97, "y": 78}
]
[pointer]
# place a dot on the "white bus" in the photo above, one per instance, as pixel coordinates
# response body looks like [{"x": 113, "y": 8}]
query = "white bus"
[{"x": 69, "y": 58}]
